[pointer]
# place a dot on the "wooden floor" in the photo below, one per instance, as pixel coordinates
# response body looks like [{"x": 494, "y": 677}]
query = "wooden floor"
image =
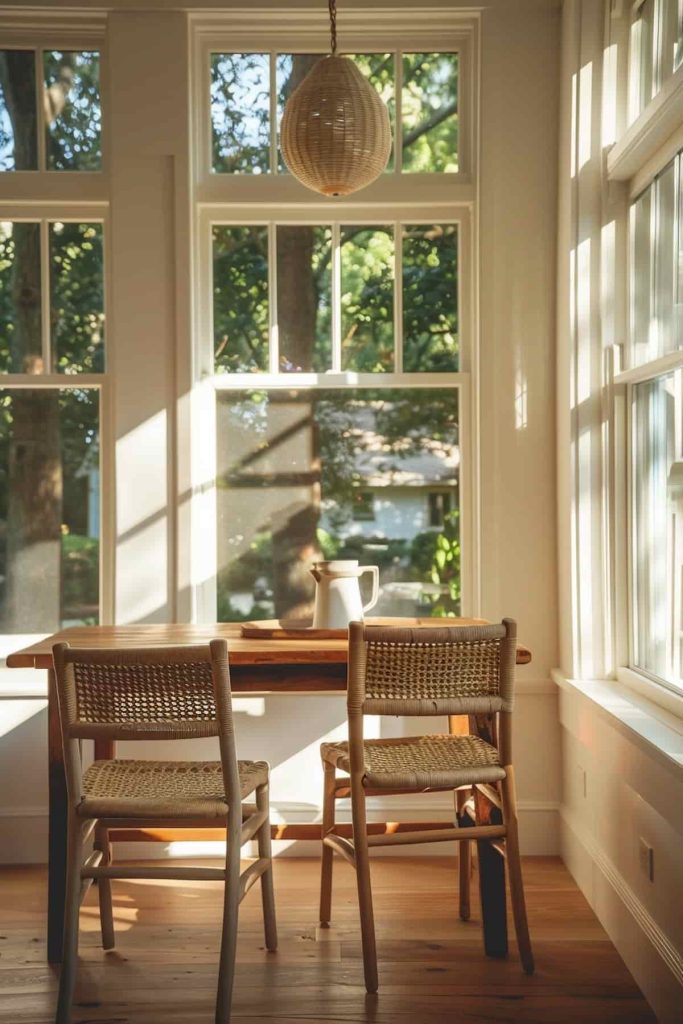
[{"x": 432, "y": 966}]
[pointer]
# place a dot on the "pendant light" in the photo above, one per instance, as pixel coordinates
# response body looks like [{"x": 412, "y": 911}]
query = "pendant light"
[{"x": 335, "y": 134}]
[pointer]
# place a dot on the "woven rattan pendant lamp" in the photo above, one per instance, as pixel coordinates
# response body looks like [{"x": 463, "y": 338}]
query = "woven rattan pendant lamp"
[{"x": 335, "y": 134}]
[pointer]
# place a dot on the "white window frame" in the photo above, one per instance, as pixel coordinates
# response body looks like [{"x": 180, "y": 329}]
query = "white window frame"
[
  {"x": 645, "y": 148},
  {"x": 47, "y": 196},
  {"x": 279, "y": 198}
]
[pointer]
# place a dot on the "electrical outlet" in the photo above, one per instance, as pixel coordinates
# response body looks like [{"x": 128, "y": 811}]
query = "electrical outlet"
[{"x": 646, "y": 855}]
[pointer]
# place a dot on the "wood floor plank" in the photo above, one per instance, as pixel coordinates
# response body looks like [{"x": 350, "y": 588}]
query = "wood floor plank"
[{"x": 432, "y": 966}]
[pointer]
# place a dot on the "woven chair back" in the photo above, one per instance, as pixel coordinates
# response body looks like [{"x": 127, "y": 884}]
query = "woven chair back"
[
  {"x": 445, "y": 670},
  {"x": 164, "y": 693},
  {"x": 147, "y": 693}
]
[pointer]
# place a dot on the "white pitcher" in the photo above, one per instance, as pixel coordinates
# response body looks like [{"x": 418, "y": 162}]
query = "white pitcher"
[{"x": 337, "y": 593}]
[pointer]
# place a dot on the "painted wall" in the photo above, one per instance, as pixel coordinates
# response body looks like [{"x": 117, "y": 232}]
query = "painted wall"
[{"x": 151, "y": 329}]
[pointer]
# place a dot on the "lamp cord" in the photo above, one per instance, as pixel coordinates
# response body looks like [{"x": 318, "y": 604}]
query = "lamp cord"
[{"x": 332, "y": 5}]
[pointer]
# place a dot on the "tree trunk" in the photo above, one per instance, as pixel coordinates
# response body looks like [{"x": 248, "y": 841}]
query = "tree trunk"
[
  {"x": 295, "y": 534},
  {"x": 33, "y": 540}
]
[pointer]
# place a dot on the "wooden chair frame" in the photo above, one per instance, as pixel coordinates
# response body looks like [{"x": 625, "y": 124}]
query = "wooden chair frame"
[
  {"x": 244, "y": 821},
  {"x": 485, "y": 812}
]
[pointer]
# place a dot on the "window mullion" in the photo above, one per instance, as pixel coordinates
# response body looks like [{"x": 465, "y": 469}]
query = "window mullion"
[
  {"x": 398, "y": 297},
  {"x": 273, "y": 113},
  {"x": 398, "y": 112},
  {"x": 274, "y": 340},
  {"x": 336, "y": 298},
  {"x": 46, "y": 340},
  {"x": 41, "y": 126}
]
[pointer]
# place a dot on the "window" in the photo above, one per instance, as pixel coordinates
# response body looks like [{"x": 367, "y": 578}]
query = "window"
[
  {"x": 249, "y": 92},
  {"x": 69, "y": 113},
  {"x": 336, "y": 334},
  {"x": 656, "y": 49},
  {"x": 52, "y": 341},
  {"x": 439, "y": 507},
  {"x": 657, "y": 414},
  {"x": 363, "y": 506}
]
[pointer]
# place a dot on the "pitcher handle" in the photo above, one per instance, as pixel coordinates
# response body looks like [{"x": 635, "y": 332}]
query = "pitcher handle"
[{"x": 375, "y": 587}]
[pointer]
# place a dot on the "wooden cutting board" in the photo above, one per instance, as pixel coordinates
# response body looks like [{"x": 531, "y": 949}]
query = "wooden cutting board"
[{"x": 297, "y": 629}]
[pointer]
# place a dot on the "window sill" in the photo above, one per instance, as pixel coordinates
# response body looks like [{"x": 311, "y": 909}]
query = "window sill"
[{"x": 657, "y": 731}]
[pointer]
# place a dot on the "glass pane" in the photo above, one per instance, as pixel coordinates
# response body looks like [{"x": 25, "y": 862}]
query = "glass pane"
[
  {"x": 304, "y": 297},
  {"x": 672, "y": 37},
  {"x": 292, "y": 68},
  {"x": 430, "y": 297},
  {"x": 294, "y": 468},
  {"x": 367, "y": 299},
  {"x": 49, "y": 510},
  {"x": 240, "y": 298},
  {"x": 642, "y": 63},
  {"x": 641, "y": 279},
  {"x": 430, "y": 112},
  {"x": 240, "y": 112},
  {"x": 678, "y": 51},
  {"x": 21, "y": 348},
  {"x": 664, "y": 262},
  {"x": 73, "y": 111},
  {"x": 77, "y": 297},
  {"x": 18, "y": 130},
  {"x": 658, "y": 518}
]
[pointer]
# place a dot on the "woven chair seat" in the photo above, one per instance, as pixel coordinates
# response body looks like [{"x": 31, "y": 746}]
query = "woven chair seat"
[
  {"x": 151, "y": 789},
  {"x": 421, "y": 762}
]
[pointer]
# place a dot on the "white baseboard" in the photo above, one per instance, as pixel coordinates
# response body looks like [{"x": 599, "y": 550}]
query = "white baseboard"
[
  {"x": 24, "y": 831},
  {"x": 651, "y": 957}
]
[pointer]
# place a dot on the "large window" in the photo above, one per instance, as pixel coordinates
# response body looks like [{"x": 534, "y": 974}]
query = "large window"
[
  {"x": 656, "y": 339},
  {"x": 337, "y": 336},
  {"x": 52, "y": 340}
]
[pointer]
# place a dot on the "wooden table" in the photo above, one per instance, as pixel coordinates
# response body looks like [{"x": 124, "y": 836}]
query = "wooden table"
[{"x": 258, "y": 667}]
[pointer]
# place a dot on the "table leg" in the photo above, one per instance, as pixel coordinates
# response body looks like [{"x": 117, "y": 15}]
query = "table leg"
[
  {"x": 491, "y": 882},
  {"x": 56, "y": 884}
]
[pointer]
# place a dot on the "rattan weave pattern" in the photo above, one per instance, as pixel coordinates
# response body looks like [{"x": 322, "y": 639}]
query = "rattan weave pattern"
[
  {"x": 335, "y": 133},
  {"x": 421, "y": 761},
  {"x": 126, "y": 693},
  {"x": 432, "y": 671},
  {"x": 130, "y": 786}
]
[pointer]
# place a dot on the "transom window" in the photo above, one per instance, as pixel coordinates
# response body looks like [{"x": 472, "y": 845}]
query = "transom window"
[{"x": 249, "y": 92}]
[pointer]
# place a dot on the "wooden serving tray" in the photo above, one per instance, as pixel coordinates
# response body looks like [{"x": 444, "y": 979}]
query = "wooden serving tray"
[{"x": 297, "y": 629}]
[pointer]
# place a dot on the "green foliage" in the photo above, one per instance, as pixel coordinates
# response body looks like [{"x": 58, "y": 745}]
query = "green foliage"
[
  {"x": 240, "y": 276},
  {"x": 430, "y": 297},
  {"x": 435, "y": 557},
  {"x": 77, "y": 297},
  {"x": 73, "y": 135},
  {"x": 80, "y": 577},
  {"x": 367, "y": 299},
  {"x": 429, "y": 107}
]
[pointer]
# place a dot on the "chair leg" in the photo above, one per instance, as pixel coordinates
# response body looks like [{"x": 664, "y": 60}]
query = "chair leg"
[
  {"x": 464, "y": 860},
  {"x": 515, "y": 871},
  {"x": 265, "y": 852},
  {"x": 104, "y": 890},
  {"x": 72, "y": 904},
  {"x": 367, "y": 922},
  {"x": 231, "y": 902},
  {"x": 327, "y": 851}
]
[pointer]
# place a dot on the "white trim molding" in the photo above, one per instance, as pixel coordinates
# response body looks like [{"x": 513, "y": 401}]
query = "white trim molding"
[{"x": 653, "y": 959}]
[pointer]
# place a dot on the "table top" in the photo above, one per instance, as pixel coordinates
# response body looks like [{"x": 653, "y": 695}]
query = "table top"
[{"x": 242, "y": 650}]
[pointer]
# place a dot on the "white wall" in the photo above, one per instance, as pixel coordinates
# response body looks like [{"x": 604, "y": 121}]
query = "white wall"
[{"x": 150, "y": 332}]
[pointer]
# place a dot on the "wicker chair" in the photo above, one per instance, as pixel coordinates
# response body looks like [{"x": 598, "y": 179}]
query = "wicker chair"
[
  {"x": 427, "y": 671},
  {"x": 157, "y": 694}
]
